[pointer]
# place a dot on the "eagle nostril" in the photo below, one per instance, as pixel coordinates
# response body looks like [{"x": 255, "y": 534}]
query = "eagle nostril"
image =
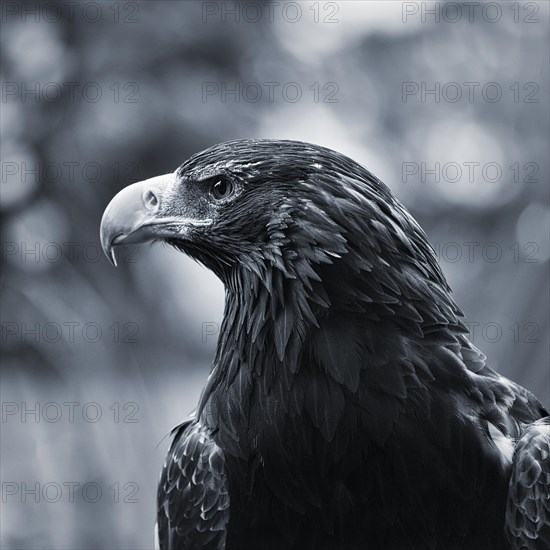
[{"x": 150, "y": 200}]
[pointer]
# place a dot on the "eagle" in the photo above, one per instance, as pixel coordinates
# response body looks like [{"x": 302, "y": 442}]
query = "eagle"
[{"x": 346, "y": 407}]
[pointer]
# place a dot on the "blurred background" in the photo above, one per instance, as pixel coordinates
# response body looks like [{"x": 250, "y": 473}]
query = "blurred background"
[{"x": 446, "y": 102}]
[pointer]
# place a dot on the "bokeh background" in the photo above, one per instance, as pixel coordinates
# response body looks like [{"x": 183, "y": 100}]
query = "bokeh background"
[{"x": 101, "y": 94}]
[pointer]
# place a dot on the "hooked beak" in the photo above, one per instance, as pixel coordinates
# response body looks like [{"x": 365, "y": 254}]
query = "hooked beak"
[{"x": 135, "y": 215}]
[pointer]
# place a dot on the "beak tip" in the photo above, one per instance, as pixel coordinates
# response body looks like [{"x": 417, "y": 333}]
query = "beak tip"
[
  {"x": 112, "y": 256},
  {"x": 108, "y": 245}
]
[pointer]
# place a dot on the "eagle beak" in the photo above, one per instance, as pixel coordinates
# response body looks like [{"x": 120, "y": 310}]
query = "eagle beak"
[{"x": 133, "y": 215}]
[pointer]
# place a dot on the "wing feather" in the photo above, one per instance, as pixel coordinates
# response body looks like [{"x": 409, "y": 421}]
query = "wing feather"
[
  {"x": 528, "y": 507},
  {"x": 193, "y": 494}
]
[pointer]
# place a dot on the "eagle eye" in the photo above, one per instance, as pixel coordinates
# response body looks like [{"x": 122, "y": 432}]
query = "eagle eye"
[{"x": 221, "y": 187}]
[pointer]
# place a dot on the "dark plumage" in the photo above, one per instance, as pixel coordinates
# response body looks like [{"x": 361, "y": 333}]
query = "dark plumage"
[{"x": 346, "y": 407}]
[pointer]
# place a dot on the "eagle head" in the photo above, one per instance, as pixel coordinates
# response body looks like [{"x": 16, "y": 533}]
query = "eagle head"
[{"x": 266, "y": 204}]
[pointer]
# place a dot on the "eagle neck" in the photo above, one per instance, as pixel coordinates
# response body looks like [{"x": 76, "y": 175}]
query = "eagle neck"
[{"x": 267, "y": 318}]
